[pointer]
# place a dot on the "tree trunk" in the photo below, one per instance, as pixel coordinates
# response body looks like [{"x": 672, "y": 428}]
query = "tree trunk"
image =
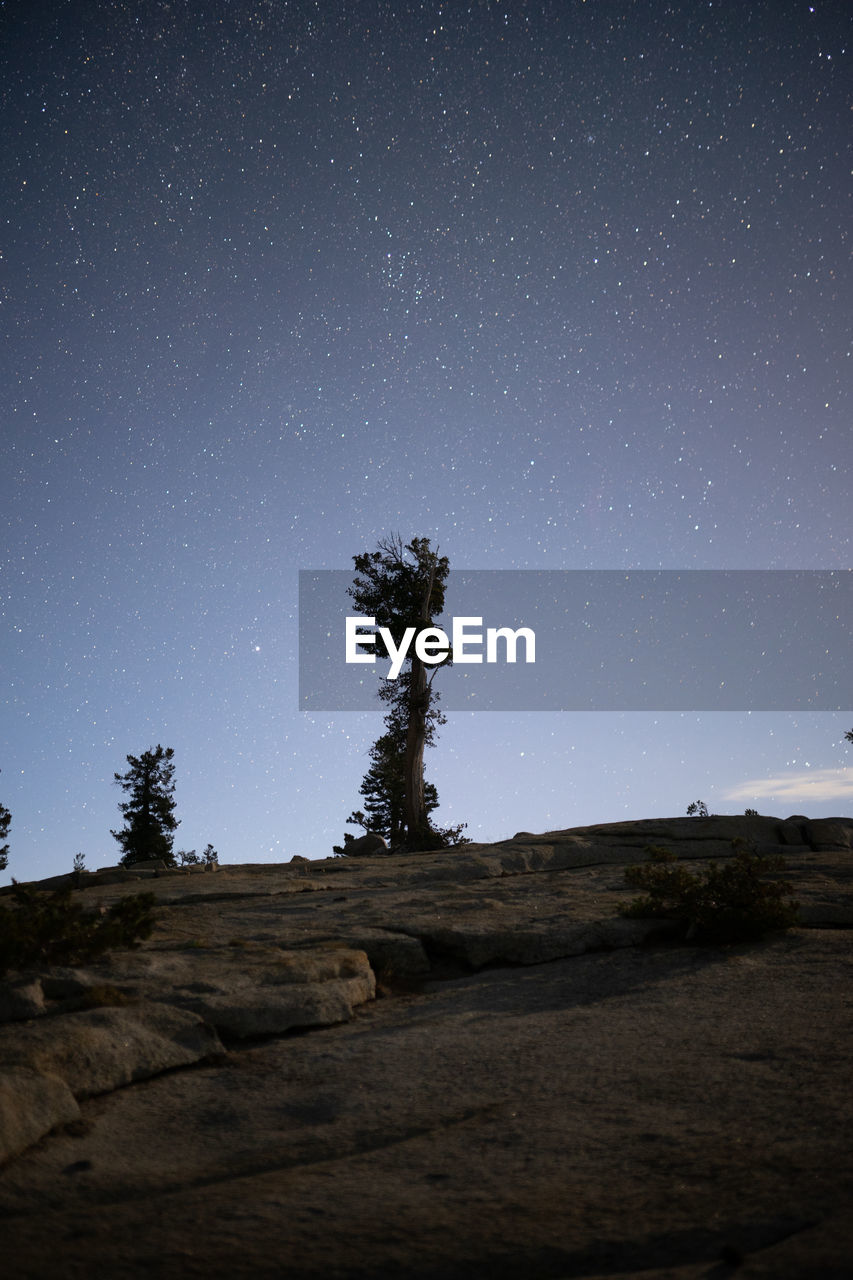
[{"x": 415, "y": 815}]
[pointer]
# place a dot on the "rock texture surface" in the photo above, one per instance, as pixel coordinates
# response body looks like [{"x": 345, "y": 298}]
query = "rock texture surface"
[{"x": 544, "y": 1088}]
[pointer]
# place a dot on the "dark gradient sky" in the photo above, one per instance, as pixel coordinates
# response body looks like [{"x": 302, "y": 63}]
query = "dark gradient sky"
[{"x": 557, "y": 285}]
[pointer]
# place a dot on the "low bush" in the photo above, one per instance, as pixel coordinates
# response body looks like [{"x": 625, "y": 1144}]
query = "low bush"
[
  {"x": 725, "y": 902},
  {"x": 51, "y": 928}
]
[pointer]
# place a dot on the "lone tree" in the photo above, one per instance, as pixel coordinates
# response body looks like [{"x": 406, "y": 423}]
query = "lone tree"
[
  {"x": 149, "y": 812},
  {"x": 403, "y": 586}
]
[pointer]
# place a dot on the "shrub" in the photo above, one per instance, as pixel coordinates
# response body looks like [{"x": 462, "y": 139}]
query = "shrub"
[
  {"x": 724, "y": 903},
  {"x": 698, "y": 809},
  {"x": 189, "y": 857},
  {"x": 50, "y": 928}
]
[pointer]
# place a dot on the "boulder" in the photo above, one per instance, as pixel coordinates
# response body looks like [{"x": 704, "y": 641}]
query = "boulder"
[
  {"x": 267, "y": 991},
  {"x": 241, "y": 990},
  {"x": 369, "y": 843},
  {"x": 97, "y": 1050},
  {"x": 823, "y": 834},
  {"x": 31, "y": 1104},
  {"x": 21, "y": 998}
]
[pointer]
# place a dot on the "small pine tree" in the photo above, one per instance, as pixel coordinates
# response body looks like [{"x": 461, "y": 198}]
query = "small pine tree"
[{"x": 149, "y": 813}]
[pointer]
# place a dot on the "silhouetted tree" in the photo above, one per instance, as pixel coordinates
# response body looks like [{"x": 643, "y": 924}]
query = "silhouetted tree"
[
  {"x": 149, "y": 813},
  {"x": 403, "y": 586}
]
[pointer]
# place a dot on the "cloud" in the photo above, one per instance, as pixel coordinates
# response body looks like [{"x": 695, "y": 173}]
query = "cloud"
[{"x": 810, "y": 785}]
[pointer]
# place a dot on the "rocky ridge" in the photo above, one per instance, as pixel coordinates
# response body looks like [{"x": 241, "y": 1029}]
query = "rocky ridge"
[{"x": 471, "y": 947}]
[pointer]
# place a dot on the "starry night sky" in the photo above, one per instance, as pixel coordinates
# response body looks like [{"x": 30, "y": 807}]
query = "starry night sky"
[{"x": 557, "y": 285}]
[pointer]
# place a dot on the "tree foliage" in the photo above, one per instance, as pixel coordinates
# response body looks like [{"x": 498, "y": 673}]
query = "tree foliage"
[{"x": 149, "y": 815}]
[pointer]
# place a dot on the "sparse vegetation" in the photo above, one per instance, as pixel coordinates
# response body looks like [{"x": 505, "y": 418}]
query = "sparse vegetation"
[
  {"x": 51, "y": 928},
  {"x": 189, "y": 858},
  {"x": 698, "y": 809},
  {"x": 725, "y": 902}
]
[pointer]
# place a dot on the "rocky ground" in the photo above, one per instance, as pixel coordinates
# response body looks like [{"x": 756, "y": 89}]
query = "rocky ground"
[{"x": 457, "y": 1064}]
